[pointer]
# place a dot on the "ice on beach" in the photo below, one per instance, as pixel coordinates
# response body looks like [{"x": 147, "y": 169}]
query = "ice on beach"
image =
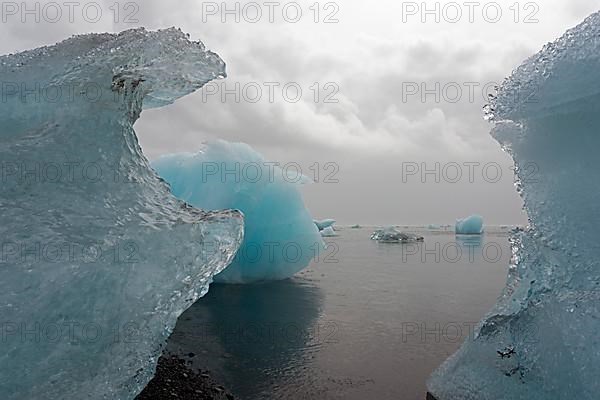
[
  {"x": 99, "y": 258},
  {"x": 326, "y": 223},
  {"x": 472, "y": 225},
  {"x": 280, "y": 237},
  {"x": 540, "y": 341}
]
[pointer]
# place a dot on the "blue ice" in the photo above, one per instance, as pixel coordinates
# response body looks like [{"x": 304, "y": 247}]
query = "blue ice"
[
  {"x": 280, "y": 237},
  {"x": 323, "y": 224},
  {"x": 125, "y": 257},
  {"x": 472, "y": 225},
  {"x": 540, "y": 341}
]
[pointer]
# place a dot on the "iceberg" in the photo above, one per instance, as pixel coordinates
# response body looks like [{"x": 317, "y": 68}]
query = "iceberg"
[
  {"x": 326, "y": 223},
  {"x": 98, "y": 258},
  {"x": 540, "y": 340},
  {"x": 472, "y": 225},
  {"x": 392, "y": 235},
  {"x": 328, "y": 232},
  {"x": 280, "y": 237}
]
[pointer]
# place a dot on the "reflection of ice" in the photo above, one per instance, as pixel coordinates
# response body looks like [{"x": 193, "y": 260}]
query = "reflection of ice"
[
  {"x": 250, "y": 335},
  {"x": 471, "y": 241}
]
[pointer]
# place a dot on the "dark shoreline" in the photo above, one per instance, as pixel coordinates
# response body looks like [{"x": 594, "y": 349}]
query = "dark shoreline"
[{"x": 175, "y": 379}]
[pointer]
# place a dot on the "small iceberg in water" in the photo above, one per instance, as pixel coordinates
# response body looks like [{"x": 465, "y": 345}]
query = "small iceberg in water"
[
  {"x": 472, "y": 225},
  {"x": 329, "y": 232},
  {"x": 324, "y": 224},
  {"x": 392, "y": 235}
]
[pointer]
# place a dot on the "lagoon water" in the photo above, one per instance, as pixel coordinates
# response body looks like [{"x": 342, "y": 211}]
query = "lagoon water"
[{"x": 366, "y": 320}]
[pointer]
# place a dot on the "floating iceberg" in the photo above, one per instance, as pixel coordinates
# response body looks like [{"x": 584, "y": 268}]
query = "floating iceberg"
[
  {"x": 280, "y": 237},
  {"x": 472, "y": 225},
  {"x": 328, "y": 232},
  {"x": 98, "y": 257},
  {"x": 392, "y": 235},
  {"x": 326, "y": 223},
  {"x": 540, "y": 341}
]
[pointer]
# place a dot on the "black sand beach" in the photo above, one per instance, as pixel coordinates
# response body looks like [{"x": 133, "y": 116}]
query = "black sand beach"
[{"x": 175, "y": 379}]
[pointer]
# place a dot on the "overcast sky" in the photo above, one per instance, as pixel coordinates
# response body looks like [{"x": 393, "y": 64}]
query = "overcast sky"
[{"x": 362, "y": 127}]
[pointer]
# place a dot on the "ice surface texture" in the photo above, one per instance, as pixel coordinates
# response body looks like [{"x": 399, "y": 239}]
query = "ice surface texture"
[
  {"x": 280, "y": 237},
  {"x": 541, "y": 339},
  {"x": 472, "y": 225},
  {"x": 98, "y": 258}
]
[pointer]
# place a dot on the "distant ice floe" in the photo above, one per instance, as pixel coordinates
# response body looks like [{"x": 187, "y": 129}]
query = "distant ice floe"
[
  {"x": 392, "y": 235},
  {"x": 323, "y": 224},
  {"x": 329, "y": 232}
]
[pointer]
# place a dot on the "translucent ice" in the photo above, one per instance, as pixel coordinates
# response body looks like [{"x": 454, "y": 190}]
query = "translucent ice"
[
  {"x": 328, "y": 232},
  {"x": 324, "y": 223},
  {"x": 472, "y": 225},
  {"x": 98, "y": 258},
  {"x": 280, "y": 237},
  {"x": 541, "y": 339}
]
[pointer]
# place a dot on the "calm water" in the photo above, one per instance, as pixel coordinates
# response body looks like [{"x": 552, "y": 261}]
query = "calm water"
[{"x": 367, "y": 320}]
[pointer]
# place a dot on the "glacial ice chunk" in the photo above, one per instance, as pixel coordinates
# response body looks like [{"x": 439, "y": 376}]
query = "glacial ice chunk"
[
  {"x": 328, "y": 232},
  {"x": 472, "y": 225},
  {"x": 540, "y": 341},
  {"x": 324, "y": 223},
  {"x": 98, "y": 257},
  {"x": 392, "y": 235},
  {"x": 280, "y": 237}
]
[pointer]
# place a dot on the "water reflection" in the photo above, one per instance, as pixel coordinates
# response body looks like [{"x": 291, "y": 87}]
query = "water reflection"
[
  {"x": 369, "y": 320},
  {"x": 470, "y": 241},
  {"x": 253, "y": 338}
]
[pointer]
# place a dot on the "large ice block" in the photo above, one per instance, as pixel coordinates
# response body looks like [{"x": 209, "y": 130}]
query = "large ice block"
[
  {"x": 98, "y": 258},
  {"x": 540, "y": 341},
  {"x": 280, "y": 237}
]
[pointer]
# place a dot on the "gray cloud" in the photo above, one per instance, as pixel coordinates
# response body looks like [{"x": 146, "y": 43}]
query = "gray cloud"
[{"x": 371, "y": 131}]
